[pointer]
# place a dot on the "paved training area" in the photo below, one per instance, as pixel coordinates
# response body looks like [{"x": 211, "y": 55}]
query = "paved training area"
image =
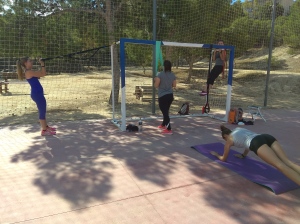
[{"x": 90, "y": 172}]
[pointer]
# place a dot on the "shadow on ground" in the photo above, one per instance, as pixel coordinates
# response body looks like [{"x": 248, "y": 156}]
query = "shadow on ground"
[{"x": 80, "y": 164}]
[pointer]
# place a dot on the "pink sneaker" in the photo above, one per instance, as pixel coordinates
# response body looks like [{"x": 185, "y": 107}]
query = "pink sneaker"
[
  {"x": 51, "y": 128},
  {"x": 47, "y": 132},
  {"x": 161, "y": 127},
  {"x": 203, "y": 93},
  {"x": 168, "y": 132}
]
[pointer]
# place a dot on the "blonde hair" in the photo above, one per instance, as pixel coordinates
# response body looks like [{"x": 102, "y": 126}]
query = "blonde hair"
[{"x": 21, "y": 67}]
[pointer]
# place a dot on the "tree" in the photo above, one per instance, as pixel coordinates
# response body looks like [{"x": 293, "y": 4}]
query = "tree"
[
  {"x": 292, "y": 26},
  {"x": 191, "y": 21},
  {"x": 280, "y": 30},
  {"x": 239, "y": 35},
  {"x": 267, "y": 9},
  {"x": 105, "y": 9}
]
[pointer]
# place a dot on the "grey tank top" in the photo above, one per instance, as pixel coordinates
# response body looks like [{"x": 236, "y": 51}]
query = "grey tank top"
[
  {"x": 242, "y": 137},
  {"x": 218, "y": 59}
]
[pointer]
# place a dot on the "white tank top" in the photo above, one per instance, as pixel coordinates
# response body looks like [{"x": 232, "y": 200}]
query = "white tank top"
[{"x": 242, "y": 137}]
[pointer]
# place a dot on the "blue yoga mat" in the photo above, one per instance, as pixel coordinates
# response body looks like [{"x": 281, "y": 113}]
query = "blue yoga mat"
[{"x": 252, "y": 169}]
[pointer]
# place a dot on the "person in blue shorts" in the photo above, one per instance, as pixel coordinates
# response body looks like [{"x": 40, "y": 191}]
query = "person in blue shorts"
[
  {"x": 265, "y": 146},
  {"x": 24, "y": 70}
]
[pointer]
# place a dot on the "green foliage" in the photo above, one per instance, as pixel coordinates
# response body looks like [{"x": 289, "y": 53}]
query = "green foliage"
[
  {"x": 293, "y": 26},
  {"x": 275, "y": 63},
  {"x": 53, "y": 27},
  {"x": 280, "y": 30},
  {"x": 265, "y": 11},
  {"x": 238, "y": 35},
  {"x": 287, "y": 28},
  {"x": 293, "y": 51},
  {"x": 139, "y": 54}
]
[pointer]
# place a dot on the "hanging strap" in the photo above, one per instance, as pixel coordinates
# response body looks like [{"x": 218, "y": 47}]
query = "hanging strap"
[
  {"x": 159, "y": 57},
  {"x": 71, "y": 55},
  {"x": 206, "y": 108}
]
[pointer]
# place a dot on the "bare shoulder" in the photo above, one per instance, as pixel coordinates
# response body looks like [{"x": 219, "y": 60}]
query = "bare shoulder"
[
  {"x": 229, "y": 141},
  {"x": 29, "y": 74}
]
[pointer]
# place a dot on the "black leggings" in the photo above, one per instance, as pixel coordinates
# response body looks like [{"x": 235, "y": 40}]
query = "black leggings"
[
  {"x": 164, "y": 103},
  {"x": 214, "y": 73},
  {"x": 260, "y": 140}
]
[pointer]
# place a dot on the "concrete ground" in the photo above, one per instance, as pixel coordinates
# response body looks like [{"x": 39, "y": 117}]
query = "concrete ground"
[{"x": 90, "y": 172}]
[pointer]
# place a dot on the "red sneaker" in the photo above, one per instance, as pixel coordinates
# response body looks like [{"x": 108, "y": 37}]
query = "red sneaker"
[
  {"x": 161, "y": 127},
  {"x": 47, "y": 132},
  {"x": 51, "y": 128}
]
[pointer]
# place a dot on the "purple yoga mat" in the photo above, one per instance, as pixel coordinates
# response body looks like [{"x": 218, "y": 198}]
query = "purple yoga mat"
[{"x": 253, "y": 170}]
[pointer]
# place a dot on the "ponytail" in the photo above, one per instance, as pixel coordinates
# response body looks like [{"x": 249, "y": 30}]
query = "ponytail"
[
  {"x": 225, "y": 131},
  {"x": 19, "y": 70},
  {"x": 167, "y": 66},
  {"x": 20, "y": 66}
]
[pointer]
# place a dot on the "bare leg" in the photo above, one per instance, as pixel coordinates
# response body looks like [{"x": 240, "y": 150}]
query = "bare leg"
[
  {"x": 268, "y": 155},
  {"x": 43, "y": 124},
  {"x": 282, "y": 156}
]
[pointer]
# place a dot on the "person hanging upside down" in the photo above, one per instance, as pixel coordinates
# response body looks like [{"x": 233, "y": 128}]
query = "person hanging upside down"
[
  {"x": 219, "y": 56},
  {"x": 24, "y": 69},
  {"x": 265, "y": 146}
]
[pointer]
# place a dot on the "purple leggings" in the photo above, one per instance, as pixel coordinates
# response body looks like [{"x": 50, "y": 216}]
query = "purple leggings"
[{"x": 40, "y": 101}]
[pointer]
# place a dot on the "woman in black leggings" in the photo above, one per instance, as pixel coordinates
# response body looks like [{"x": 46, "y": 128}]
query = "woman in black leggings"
[
  {"x": 165, "y": 81},
  {"x": 219, "y": 57}
]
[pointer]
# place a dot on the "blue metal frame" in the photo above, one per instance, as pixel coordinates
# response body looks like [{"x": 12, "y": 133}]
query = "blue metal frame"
[
  {"x": 152, "y": 42},
  {"x": 122, "y": 54},
  {"x": 123, "y": 41}
]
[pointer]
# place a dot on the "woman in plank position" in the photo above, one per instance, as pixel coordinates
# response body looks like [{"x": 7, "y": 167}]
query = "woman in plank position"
[
  {"x": 24, "y": 69},
  {"x": 263, "y": 145}
]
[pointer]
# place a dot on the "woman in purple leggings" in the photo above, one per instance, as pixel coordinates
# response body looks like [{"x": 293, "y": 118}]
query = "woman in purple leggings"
[{"x": 24, "y": 69}]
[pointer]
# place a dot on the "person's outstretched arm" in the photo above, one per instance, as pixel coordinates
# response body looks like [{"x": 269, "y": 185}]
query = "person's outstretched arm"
[
  {"x": 227, "y": 146},
  {"x": 38, "y": 74},
  {"x": 174, "y": 83},
  {"x": 214, "y": 55},
  {"x": 243, "y": 155},
  {"x": 225, "y": 60},
  {"x": 156, "y": 82}
]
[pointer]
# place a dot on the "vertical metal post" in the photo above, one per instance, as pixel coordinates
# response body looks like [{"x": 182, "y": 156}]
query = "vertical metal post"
[
  {"x": 229, "y": 83},
  {"x": 112, "y": 80},
  {"x": 270, "y": 52},
  {"x": 123, "y": 86},
  {"x": 154, "y": 54}
]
